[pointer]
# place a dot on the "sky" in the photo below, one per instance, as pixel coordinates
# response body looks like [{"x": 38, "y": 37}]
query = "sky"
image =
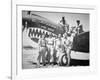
[{"x": 69, "y": 17}]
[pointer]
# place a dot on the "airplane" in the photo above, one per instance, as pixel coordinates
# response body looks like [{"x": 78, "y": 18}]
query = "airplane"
[
  {"x": 37, "y": 25},
  {"x": 81, "y": 49}
]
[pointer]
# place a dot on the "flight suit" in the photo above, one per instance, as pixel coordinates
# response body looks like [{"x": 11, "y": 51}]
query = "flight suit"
[
  {"x": 80, "y": 29},
  {"x": 60, "y": 49},
  {"x": 68, "y": 45},
  {"x": 50, "y": 45},
  {"x": 42, "y": 51}
]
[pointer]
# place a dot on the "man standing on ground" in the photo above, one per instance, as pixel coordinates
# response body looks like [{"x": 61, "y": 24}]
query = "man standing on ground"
[
  {"x": 42, "y": 50},
  {"x": 59, "y": 48},
  {"x": 50, "y": 45}
]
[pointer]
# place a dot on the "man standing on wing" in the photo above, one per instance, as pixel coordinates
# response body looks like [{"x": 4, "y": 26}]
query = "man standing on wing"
[
  {"x": 64, "y": 24},
  {"x": 42, "y": 50}
]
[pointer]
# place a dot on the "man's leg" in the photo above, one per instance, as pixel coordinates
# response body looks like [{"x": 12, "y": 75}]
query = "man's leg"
[
  {"x": 43, "y": 56},
  {"x": 48, "y": 56},
  {"x": 39, "y": 57},
  {"x": 54, "y": 56},
  {"x": 68, "y": 55},
  {"x": 51, "y": 54},
  {"x": 58, "y": 56}
]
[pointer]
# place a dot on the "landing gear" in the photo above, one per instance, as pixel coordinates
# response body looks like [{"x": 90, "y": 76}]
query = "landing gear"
[{"x": 64, "y": 60}]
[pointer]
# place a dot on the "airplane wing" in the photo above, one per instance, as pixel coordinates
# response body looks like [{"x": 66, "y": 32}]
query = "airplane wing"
[{"x": 81, "y": 42}]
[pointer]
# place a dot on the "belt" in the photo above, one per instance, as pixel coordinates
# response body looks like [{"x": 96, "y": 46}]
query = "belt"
[
  {"x": 50, "y": 44},
  {"x": 42, "y": 46}
]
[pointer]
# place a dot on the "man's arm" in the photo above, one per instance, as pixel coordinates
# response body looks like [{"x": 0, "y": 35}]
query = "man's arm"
[
  {"x": 55, "y": 43},
  {"x": 39, "y": 43}
]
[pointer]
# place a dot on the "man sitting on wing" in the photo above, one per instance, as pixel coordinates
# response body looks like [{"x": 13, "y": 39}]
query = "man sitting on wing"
[{"x": 79, "y": 27}]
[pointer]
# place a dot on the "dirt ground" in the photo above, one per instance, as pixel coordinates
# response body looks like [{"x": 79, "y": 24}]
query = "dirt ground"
[{"x": 29, "y": 60}]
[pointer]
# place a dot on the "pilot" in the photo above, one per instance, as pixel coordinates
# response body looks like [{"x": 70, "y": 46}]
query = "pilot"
[
  {"x": 42, "y": 50},
  {"x": 65, "y": 24},
  {"x": 50, "y": 46},
  {"x": 55, "y": 51},
  {"x": 68, "y": 44},
  {"x": 79, "y": 27},
  {"x": 59, "y": 48}
]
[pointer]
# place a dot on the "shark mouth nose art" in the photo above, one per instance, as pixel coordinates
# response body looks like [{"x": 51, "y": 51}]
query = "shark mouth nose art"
[{"x": 36, "y": 33}]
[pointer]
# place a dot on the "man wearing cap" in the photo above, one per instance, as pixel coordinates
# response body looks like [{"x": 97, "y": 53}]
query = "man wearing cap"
[
  {"x": 42, "y": 50},
  {"x": 64, "y": 24},
  {"x": 50, "y": 45},
  {"x": 79, "y": 27},
  {"x": 68, "y": 43},
  {"x": 59, "y": 48}
]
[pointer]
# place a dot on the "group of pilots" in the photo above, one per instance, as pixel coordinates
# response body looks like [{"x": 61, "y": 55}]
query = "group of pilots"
[{"x": 52, "y": 49}]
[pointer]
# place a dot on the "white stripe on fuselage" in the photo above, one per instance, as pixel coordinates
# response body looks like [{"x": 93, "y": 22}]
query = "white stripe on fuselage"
[{"x": 79, "y": 55}]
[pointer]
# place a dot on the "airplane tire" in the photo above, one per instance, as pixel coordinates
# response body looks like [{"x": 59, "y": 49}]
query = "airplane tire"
[{"x": 64, "y": 60}]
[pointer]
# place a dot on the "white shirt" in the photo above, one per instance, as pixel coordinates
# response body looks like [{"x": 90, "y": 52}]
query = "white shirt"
[{"x": 50, "y": 41}]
